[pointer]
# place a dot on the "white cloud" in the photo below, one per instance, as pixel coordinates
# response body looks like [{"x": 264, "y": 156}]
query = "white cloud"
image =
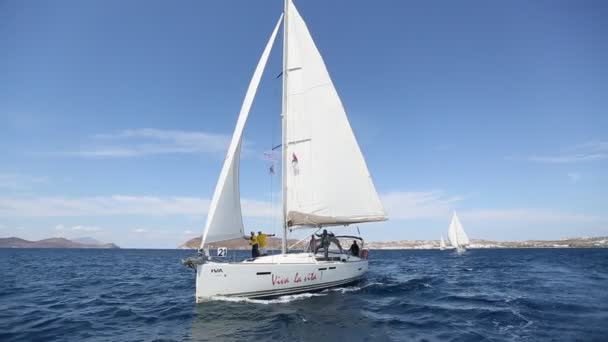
[
  {"x": 528, "y": 215},
  {"x": 140, "y": 230},
  {"x": 13, "y": 181},
  {"x": 419, "y": 205},
  {"x": 150, "y": 141},
  {"x": 433, "y": 205},
  {"x": 90, "y": 229},
  {"x": 437, "y": 205},
  {"x": 189, "y": 232},
  {"x": 586, "y": 152},
  {"x": 119, "y": 205}
]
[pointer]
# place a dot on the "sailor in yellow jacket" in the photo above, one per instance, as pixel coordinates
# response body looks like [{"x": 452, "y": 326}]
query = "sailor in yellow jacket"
[
  {"x": 262, "y": 242},
  {"x": 254, "y": 243}
]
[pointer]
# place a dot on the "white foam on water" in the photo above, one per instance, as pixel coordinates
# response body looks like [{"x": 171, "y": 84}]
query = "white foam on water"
[
  {"x": 278, "y": 300},
  {"x": 372, "y": 284},
  {"x": 352, "y": 288},
  {"x": 343, "y": 289},
  {"x": 291, "y": 298}
]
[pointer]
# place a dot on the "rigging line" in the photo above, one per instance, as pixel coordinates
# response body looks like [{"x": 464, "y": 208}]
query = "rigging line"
[{"x": 307, "y": 236}]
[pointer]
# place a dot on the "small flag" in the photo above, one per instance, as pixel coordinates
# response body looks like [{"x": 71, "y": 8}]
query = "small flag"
[
  {"x": 269, "y": 156},
  {"x": 294, "y": 165},
  {"x": 271, "y": 170}
]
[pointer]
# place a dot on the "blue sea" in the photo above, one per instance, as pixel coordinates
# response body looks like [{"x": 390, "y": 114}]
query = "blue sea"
[{"x": 412, "y": 295}]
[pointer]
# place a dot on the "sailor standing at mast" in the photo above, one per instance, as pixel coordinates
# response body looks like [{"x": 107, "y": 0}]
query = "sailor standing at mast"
[{"x": 253, "y": 242}]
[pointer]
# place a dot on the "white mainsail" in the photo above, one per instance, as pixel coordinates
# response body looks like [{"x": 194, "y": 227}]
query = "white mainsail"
[
  {"x": 326, "y": 179},
  {"x": 458, "y": 238},
  {"x": 225, "y": 220}
]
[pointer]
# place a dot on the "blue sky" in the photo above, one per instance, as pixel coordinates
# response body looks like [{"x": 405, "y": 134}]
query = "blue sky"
[{"x": 115, "y": 116}]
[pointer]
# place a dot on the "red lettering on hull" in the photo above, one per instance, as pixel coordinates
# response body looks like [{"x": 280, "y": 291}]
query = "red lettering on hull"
[
  {"x": 278, "y": 280},
  {"x": 297, "y": 278}
]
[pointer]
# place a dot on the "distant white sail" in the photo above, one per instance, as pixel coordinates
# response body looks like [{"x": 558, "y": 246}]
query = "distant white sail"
[
  {"x": 327, "y": 180},
  {"x": 442, "y": 243},
  {"x": 456, "y": 235},
  {"x": 225, "y": 220}
]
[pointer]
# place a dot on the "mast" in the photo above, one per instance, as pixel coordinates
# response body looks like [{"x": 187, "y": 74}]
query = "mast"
[{"x": 284, "y": 128}]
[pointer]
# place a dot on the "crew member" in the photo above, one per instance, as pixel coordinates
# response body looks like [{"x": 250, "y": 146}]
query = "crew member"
[
  {"x": 253, "y": 242},
  {"x": 354, "y": 248},
  {"x": 312, "y": 245},
  {"x": 262, "y": 242},
  {"x": 324, "y": 243}
]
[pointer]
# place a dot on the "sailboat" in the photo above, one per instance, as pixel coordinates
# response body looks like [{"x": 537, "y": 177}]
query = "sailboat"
[
  {"x": 458, "y": 238},
  {"x": 441, "y": 243},
  {"x": 325, "y": 182}
]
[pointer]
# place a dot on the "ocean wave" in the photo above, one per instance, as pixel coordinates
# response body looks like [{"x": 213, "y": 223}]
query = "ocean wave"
[{"x": 128, "y": 295}]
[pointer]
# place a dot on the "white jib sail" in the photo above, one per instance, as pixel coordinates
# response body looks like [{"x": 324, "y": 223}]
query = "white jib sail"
[
  {"x": 456, "y": 234},
  {"x": 327, "y": 180},
  {"x": 442, "y": 243},
  {"x": 224, "y": 220}
]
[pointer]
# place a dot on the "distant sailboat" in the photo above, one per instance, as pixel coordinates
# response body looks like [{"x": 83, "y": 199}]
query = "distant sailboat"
[
  {"x": 458, "y": 238},
  {"x": 441, "y": 244}
]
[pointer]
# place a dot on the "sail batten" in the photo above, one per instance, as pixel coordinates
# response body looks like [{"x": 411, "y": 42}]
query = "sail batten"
[{"x": 225, "y": 220}]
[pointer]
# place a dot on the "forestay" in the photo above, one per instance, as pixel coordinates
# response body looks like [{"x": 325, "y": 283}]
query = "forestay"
[
  {"x": 327, "y": 180},
  {"x": 224, "y": 220}
]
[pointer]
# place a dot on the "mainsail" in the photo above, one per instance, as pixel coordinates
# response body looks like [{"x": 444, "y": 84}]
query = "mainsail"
[
  {"x": 326, "y": 179},
  {"x": 224, "y": 220},
  {"x": 456, "y": 234}
]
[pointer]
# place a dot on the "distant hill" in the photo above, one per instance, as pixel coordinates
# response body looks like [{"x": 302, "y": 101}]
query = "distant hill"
[
  {"x": 14, "y": 242},
  {"x": 242, "y": 244}
]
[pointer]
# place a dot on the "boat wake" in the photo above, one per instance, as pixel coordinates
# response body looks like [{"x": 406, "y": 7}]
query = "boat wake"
[
  {"x": 277, "y": 300},
  {"x": 352, "y": 288},
  {"x": 292, "y": 298}
]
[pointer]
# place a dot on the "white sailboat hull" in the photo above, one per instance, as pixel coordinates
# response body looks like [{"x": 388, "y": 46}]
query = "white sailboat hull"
[{"x": 277, "y": 275}]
